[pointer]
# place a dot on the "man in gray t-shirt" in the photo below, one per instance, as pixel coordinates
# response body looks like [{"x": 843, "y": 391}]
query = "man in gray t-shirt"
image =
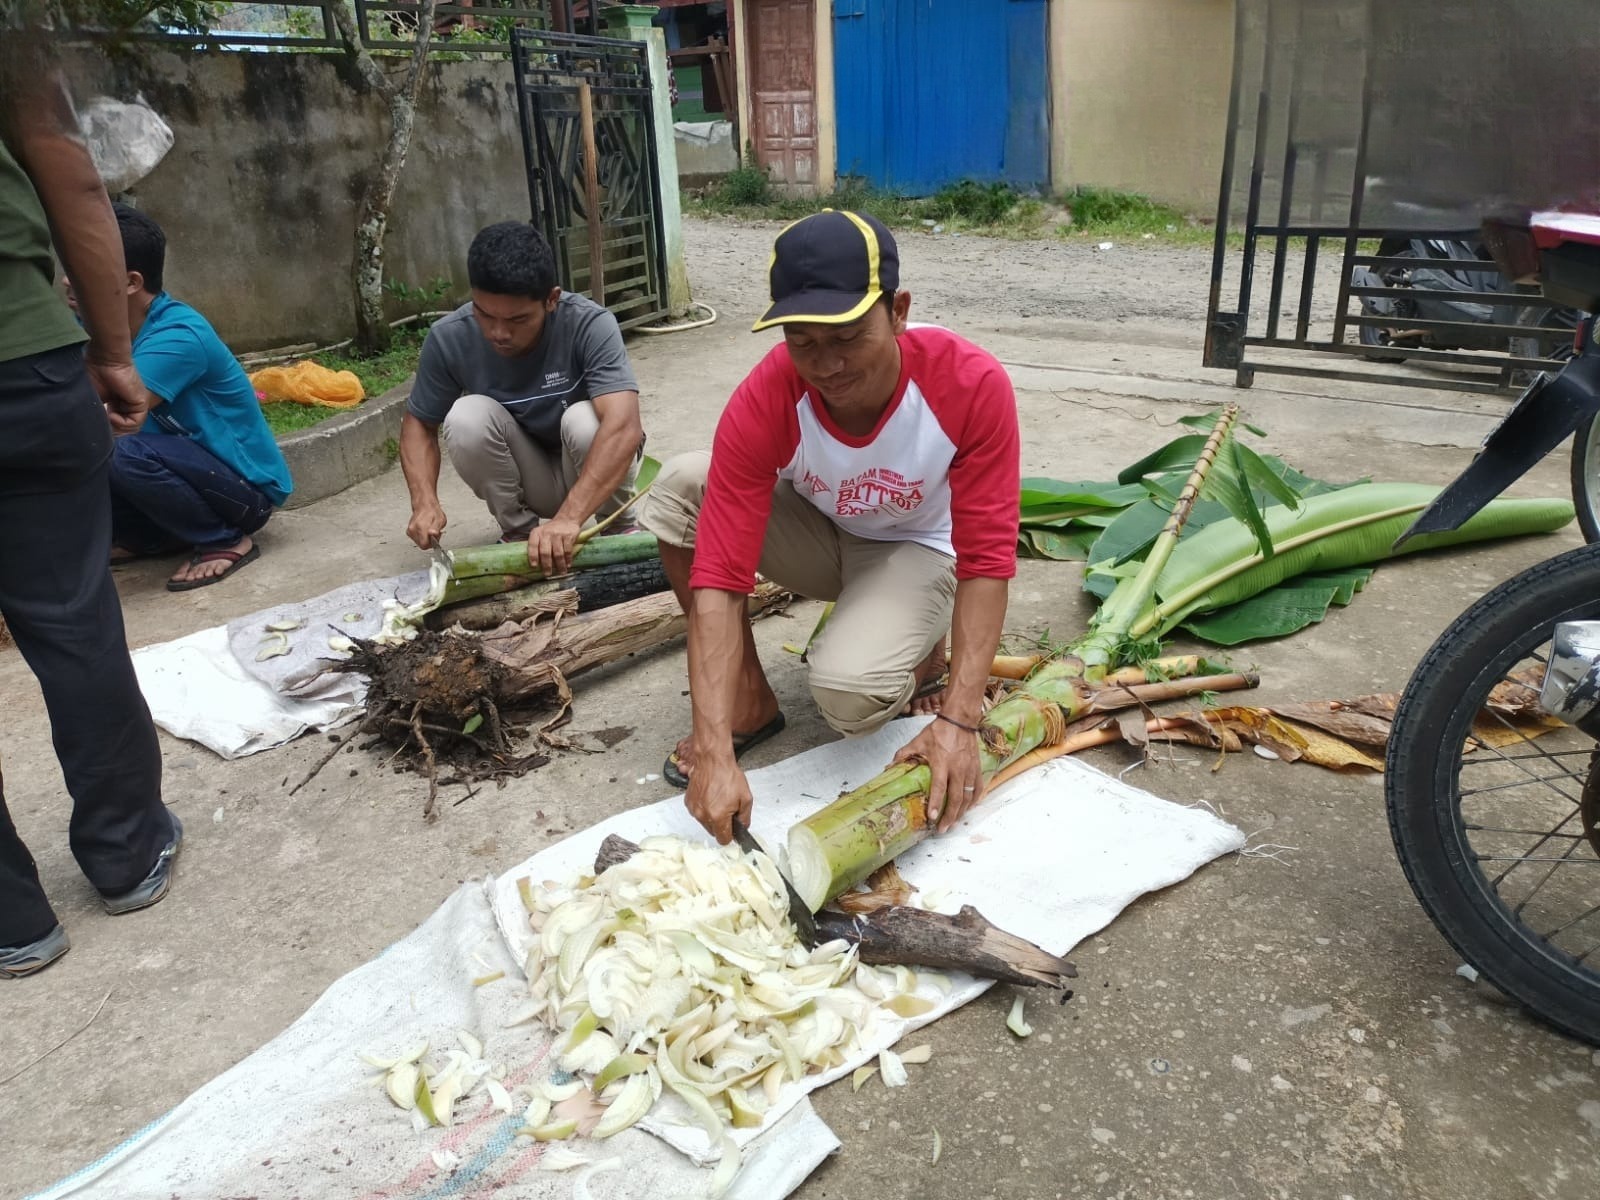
[{"x": 538, "y": 403}]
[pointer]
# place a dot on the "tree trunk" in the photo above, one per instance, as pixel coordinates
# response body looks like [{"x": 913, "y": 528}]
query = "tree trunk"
[
  {"x": 372, "y": 219},
  {"x": 914, "y": 937},
  {"x": 527, "y": 659}
]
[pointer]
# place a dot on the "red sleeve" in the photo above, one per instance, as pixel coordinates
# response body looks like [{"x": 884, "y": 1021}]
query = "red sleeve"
[
  {"x": 977, "y": 409},
  {"x": 755, "y": 439}
]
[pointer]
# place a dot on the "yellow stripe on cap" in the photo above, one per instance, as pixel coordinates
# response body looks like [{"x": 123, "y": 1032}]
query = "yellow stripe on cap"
[{"x": 874, "y": 284}]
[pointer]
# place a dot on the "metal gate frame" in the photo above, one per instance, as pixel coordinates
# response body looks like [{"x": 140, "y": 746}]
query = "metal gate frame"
[
  {"x": 551, "y": 71},
  {"x": 1283, "y": 163}
]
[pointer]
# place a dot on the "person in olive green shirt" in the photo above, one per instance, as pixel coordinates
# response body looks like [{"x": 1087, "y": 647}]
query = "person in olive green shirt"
[{"x": 63, "y": 390}]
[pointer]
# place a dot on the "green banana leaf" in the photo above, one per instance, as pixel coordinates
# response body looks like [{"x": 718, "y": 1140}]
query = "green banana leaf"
[
  {"x": 1062, "y": 546},
  {"x": 1280, "y": 611},
  {"x": 1068, "y": 515}
]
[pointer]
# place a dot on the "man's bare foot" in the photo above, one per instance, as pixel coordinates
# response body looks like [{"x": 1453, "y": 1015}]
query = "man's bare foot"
[
  {"x": 202, "y": 567},
  {"x": 929, "y": 693},
  {"x": 120, "y": 555},
  {"x": 751, "y": 719}
]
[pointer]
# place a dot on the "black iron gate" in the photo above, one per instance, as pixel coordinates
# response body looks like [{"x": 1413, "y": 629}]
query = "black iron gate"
[
  {"x": 1357, "y": 126},
  {"x": 589, "y": 143}
]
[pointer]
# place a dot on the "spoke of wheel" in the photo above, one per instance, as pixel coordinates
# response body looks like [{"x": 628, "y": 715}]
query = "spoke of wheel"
[
  {"x": 1541, "y": 752},
  {"x": 1537, "y": 858},
  {"x": 1523, "y": 832},
  {"x": 1565, "y": 858},
  {"x": 1573, "y": 800},
  {"x": 1482, "y": 762},
  {"x": 1560, "y": 929},
  {"x": 1500, "y": 787}
]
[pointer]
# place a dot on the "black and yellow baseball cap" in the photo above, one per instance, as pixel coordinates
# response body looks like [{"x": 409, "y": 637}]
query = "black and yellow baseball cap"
[{"x": 830, "y": 267}]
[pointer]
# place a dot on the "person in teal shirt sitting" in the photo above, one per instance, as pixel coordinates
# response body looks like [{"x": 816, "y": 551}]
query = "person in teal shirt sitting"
[{"x": 203, "y": 472}]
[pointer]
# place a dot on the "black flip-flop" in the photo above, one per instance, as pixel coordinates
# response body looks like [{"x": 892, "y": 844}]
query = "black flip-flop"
[
  {"x": 233, "y": 558},
  {"x": 672, "y": 770}
]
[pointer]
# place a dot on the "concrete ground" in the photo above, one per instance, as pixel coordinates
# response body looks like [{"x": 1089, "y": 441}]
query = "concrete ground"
[{"x": 1274, "y": 1027}]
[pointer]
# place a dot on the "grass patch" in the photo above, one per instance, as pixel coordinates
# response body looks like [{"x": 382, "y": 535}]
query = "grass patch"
[
  {"x": 1110, "y": 215},
  {"x": 377, "y": 374},
  {"x": 382, "y": 371},
  {"x": 995, "y": 209}
]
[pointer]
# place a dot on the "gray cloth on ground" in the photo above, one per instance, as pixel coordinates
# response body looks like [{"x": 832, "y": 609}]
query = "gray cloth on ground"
[{"x": 353, "y": 611}]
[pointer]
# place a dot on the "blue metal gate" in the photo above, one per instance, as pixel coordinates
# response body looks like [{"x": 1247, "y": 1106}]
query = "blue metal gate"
[{"x": 930, "y": 92}]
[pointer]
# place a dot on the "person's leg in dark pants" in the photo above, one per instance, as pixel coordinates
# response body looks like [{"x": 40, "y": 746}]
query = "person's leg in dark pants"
[
  {"x": 171, "y": 491},
  {"x": 63, "y": 612}
]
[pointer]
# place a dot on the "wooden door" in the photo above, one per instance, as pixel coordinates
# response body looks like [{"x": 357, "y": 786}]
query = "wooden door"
[{"x": 781, "y": 36}]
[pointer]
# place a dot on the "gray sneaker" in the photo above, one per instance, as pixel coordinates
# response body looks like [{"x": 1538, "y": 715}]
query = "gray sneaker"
[
  {"x": 18, "y": 961},
  {"x": 155, "y": 884}
]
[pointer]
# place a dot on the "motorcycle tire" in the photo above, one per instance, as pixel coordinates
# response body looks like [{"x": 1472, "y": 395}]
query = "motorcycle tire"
[
  {"x": 1450, "y": 785},
  {"x": 1586, "y": 478},
  {"x": 1558, "y": 349}
]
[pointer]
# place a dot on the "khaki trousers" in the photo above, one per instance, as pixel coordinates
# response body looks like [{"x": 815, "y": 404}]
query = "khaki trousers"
[
  {"x": 892, "y": 600},
  {"x": 514, "y": 475}
]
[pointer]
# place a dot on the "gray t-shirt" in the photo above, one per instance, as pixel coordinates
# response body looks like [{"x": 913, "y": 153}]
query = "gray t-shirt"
[{"x": 579, "y": 356}]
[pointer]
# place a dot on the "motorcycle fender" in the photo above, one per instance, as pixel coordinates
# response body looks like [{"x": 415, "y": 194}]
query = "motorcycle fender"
[{"x": 1545, "y": 416}]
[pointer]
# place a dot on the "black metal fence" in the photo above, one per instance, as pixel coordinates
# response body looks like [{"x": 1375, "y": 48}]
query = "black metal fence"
[
  {"x": 1365, "y": 136},
  {"x": 589, "y": 144}
]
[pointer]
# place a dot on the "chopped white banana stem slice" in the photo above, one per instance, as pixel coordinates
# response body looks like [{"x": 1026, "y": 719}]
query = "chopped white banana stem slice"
[
  {"x": 631, "y": 1103},
  {"x": 446, "y": 1160},
  {"x": 559, "y": 1158},
  {"x": 894, "y": 1071},
  {"x": 557, "y": 1092},
  {"x": 273, "y": 647},
  {"x": 938, "y": 1147},
  {"x": 401, "y": 1084},
  {"x": 282, "y": 626},
  {"x": 917, "y": 1055},
  {"x": 1014, "y": 1021},
  {"x": 499, "y": 1098},
  {"x": 860, "y": 1076},
  {"x": 538, "y": 1112},
  {"x": 722, "y": 1178}
]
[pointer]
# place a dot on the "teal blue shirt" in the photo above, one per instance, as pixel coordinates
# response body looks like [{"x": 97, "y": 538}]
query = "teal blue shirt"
[{"x": 205, "y": 395}]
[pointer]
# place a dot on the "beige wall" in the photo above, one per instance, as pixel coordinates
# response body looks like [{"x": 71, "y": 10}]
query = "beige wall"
[{"x": 1140, "y": 96}]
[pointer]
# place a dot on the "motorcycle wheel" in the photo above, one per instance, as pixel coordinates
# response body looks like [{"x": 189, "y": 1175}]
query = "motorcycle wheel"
[
  {"x": 1533, "y": 346},
  {"x": 1586, "y": 478},
  {"x": 1486, "y": 798}
]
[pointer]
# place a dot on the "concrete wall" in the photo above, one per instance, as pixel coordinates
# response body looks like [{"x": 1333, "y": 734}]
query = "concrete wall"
[
  {"x": 1141, "y": 96},
  {"x": 258, "y": 195}
]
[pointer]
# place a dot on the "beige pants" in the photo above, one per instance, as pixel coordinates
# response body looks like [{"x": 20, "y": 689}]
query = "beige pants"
[
  {"x": 893, "y": 600},
  {"x": 514, "y": 475}
]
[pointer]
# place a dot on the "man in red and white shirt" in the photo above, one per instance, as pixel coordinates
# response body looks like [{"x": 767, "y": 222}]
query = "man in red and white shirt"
[{"x": 866, "y": 462}]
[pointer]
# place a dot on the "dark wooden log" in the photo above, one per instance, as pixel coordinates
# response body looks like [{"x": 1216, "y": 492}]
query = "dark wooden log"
[
  {"x": 597, "y": 588},
  {"x": 914, "y": 937},
  {"x": 966, "y": 942}
]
